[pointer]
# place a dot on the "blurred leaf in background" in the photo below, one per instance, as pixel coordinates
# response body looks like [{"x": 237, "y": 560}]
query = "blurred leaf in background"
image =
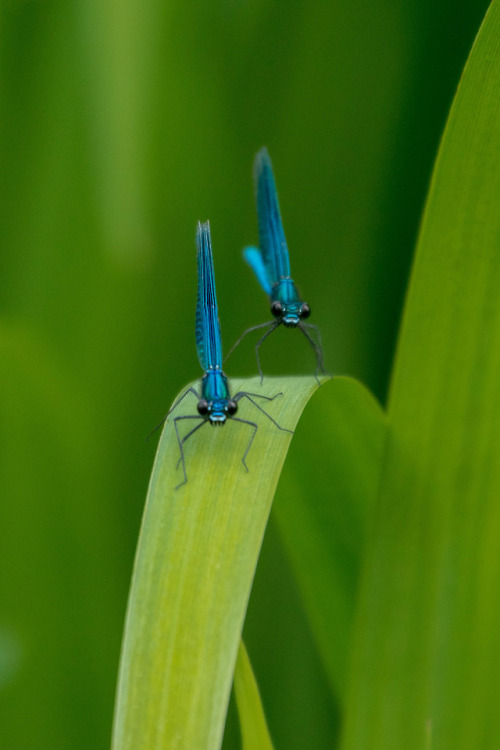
[{"x": 121, "y": 125}]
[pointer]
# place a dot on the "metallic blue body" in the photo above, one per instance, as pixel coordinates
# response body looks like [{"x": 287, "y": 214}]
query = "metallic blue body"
[
  {"x": 214, "y": 385},
  {"x": 208, "y": 338},
  {"x": 215, "y": 404},
  {"x": 271, "y": 235},
  {"x": 271, "y": 263}
]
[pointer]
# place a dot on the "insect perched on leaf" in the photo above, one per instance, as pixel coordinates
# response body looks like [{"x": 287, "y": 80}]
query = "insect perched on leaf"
[
  {"x": 215, "y": 404},
  {"x": 271, "y": 265}
]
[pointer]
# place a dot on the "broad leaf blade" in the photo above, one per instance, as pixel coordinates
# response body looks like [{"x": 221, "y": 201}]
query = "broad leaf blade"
[
  {"x": 194, "y": 566},
  {"x": 427, "y": 662}
]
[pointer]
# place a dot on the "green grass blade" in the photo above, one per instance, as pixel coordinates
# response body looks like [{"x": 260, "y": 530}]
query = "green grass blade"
[
  {"x": 427, "y": 662},
  {"x": 254, "y": 731},
  {"x": 194, "y": 567},
  {"x": 323, "y": 501}
]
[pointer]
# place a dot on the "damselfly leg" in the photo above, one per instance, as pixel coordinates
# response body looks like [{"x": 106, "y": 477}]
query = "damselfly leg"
[
  {"x": 244, "y": 394},
  {"x": 248, "y": 330},
  {"x": 189, "y": 390},
  {"x": 317, "y": 347},
  {"x": 183, "y": 440}
]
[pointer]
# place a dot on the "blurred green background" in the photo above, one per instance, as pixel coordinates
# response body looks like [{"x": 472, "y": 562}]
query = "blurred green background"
[{"x": 121, "y": 125}]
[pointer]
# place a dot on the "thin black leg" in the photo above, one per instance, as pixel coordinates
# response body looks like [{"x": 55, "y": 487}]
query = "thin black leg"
[
  {"x": 284, "y": 429},
  {"x": 180, "y": 442},
  {"x": 248, "y": 330},
  {"x": 320, "y": 344},
  {"x": 189, "y": 390},
  {"x": 240, "y": 394},
  {"x": 318, "y": 332},
  {"x": 317, "y": 350},
  {"x": 274, "y": 324},
  {"x": 252, "y": 424},
  {"x": 194, "y": 416}
]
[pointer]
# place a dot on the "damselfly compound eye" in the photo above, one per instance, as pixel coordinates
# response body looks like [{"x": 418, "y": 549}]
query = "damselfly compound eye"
[
  {"x": 231, "y": 407},
  {"x": 202, "y": 407},
  {"x": 276, "y": 309},
  {"x": 305, "y": 310}
]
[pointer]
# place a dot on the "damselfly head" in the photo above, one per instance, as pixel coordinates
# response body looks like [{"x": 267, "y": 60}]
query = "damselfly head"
[
  {"x": 217, "y": 412},
  {"x": 291, "y": 314},
  {"x": 217, "y": 418},
  {"x": 286, "y": 314}
]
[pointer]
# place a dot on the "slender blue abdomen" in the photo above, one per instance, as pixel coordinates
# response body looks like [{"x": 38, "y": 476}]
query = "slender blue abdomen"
[
  {"x": 271, "y": 235},
  {"x": 208, "y": 337}
]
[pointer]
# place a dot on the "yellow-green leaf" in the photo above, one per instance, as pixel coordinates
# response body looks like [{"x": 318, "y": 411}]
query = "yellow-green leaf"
[
  {"x": 254, "y": 731},
  {"x": 194, "y": 567}
]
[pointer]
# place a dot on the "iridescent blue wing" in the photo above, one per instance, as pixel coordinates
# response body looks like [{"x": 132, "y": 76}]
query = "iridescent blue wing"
[
  {"x": 208, "y": 338},
  {"x": 254, "y": 258},
  {"x": 271, "y": 235}
]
